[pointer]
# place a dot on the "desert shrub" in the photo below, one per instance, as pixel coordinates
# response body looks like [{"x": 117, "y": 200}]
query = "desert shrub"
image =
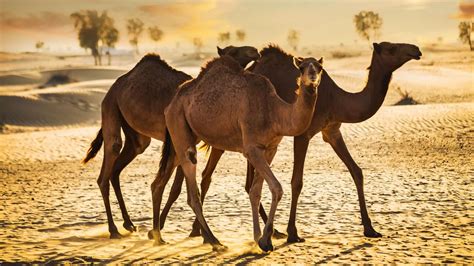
[{"x": 406, "y": 98}]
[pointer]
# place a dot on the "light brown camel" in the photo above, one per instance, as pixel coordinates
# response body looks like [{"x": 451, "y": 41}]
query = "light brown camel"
[
  {"x": 277, "y": 66},
  {"x": 135, "y": 103},
  {"x": 334, "y": 107},
  {"x": 248, "y": 117}
]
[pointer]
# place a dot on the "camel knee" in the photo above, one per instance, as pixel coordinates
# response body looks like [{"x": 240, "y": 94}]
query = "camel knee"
[
  {"x": 193, "y": 201},
  {"x": 357, "y": 174},
  {"x": 297, "y": 186},
  {"x": 156, "y": 186},
  {"x": 277, "y": 191},
  {"x": 255, "y": 192},
  {"x": 104, "y": 186}
]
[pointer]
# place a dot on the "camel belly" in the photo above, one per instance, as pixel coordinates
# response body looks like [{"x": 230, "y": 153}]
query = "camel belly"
[
  {"x": 220, "y": 130},
  {"x": 147, "y": 118}
]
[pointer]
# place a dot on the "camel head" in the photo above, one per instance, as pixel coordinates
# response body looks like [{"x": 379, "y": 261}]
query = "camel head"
[
  {"x": 311, "y": 71},
  {"x": 242, "y": 54},
  {"x": 394, "y": 55}
]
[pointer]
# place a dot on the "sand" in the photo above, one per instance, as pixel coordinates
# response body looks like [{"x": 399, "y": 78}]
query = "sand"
[{"x": 417, "y": 162}]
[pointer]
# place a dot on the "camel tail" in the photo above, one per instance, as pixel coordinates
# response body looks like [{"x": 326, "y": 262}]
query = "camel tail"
[
  {"x": 205, "y": 147},
  {"x": 94, "y": 148},
  {"x": 166, "y": 152}
]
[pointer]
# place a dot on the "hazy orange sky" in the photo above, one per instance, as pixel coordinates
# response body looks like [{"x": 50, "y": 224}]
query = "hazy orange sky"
[{"x": 320, "y": 22}]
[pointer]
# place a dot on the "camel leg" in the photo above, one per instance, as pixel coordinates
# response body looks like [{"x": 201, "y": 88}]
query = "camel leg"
[
  {"x": 112, "y": 147},
  {"x": 255, "y": 194},
  {"x": 335, "y": 139},
  {"x": 300, "y": 149},
  {"x": 214, "y": 158},
  {"x": 135, "y": 144},
  {"x": 194, "y": 201},
  {"x": 248, "y": 183},
  {"x": 184, "y": 142},
  {"x": 157, "y": 188},
  {"x": 259, "y": 160},
  {"x": 173, "y": 196}
]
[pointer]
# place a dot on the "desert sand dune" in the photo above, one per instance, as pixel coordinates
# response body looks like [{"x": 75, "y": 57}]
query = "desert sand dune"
[
  {"x": 66, "y": 105},
  {"x": 76, "y": 74},
  {"x": 417, "y": 162}
]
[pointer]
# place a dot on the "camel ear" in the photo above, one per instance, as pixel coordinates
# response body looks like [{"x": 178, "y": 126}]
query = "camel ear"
[
  {"x": 321, "y": 60},
  {"x": 220, "y": 51},
  {"x": 297, "y": 61},
  {"x": 377, "y": 48}
]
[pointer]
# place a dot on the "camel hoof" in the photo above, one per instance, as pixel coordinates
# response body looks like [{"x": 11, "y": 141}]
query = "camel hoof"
[
  {"x": 372, "y": 234},
  {"x": 295, "y": 239},
  {"x": 115, "y": 235},
  {"x": 219, "y": 247},
  {"x": 130, "y": 227},
  {"x": 266, "y": 247},
  {"x": 278, "y": 235},
  {"x": 159, "y": 242}
]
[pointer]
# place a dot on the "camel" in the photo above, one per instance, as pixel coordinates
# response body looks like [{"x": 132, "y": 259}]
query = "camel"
[
  {"x": 135, "y": 103},
  {"x": 334, "y": 107},
  {"x": 238, "y": 104},
  {"x": 276, "y": 65}
]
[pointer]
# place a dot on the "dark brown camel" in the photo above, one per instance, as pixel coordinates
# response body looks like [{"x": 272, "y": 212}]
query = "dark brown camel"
[
  {"x": 135, "y": 103},
  {"x": 334, "y": 107},
  {"x": 237, "y": 104}
]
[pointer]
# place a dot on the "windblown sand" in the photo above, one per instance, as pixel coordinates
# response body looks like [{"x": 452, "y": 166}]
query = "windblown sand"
[{"x": 417, "y": 161}]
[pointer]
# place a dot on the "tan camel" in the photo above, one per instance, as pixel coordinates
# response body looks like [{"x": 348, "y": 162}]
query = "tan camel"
[
  {"x": 135, "y": 103},
  {"x": 248, "y": 117},
  {"x": 277, "y": 66},
  {"x": 334, "y": 107}
]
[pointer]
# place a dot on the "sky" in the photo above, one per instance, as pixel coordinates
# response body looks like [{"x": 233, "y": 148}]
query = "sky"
[{"x": 319, "y": 22}]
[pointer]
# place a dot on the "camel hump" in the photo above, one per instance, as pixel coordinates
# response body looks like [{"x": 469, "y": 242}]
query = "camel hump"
[
  {"x": 273, "y": 49},
  {"x": 156, "y": 60}
]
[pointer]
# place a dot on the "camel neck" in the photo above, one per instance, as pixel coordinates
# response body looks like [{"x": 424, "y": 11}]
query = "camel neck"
[
  {"x": 295, "y": 118},
  {"x": 358, "y": 107},
  {"x": 376, "y": 88}
]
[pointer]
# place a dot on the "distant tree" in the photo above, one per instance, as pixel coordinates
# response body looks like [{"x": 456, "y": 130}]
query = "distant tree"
[
  {"x": 240, "y": 34},
  {"x": 109, "y": 39},
  {"x": 198, "y": 44},
  {"x": 368, "y": 24},
  {"x": 293, "y": 39},
  {"x": 39, "y": 45},
  {"x": 156, "y": 34},
  {"x": 135, "y": 29},
  {"x": 223, "y": 37},
  {"x": 92, "y": 28},
  {"x": 465, "y": 31}
]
